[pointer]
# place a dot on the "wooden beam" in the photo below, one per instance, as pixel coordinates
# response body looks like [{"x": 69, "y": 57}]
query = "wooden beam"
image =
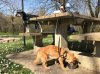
[
  {"x": 30, "y": 34},
  {"x": 88, "y": 36},
  {"x": 50, "y": 17},
  {"x": 64, "y": 15}
]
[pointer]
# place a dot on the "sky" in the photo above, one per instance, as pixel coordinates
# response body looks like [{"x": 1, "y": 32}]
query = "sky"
[
  {"x": 32, "y": 6},
  {"x": 29, "y": 6}
]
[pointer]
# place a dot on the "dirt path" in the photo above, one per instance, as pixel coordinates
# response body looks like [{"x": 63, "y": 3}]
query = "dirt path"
[{"x": 26, "y": 59}]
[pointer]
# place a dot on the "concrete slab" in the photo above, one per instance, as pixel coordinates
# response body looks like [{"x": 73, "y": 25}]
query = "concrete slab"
[{"x": 26, "y": 59}]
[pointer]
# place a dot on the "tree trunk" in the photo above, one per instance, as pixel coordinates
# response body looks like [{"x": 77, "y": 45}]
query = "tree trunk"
[
  {"x": 97, "y": 9},
  {"x": 90, "y": 8}
]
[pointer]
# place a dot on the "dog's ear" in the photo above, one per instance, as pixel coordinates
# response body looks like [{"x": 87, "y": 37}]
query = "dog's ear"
[{"x": 78, "y": 61}]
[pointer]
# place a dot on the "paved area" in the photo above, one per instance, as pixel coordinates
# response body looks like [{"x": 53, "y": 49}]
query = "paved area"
[{"x": 26, "y": 59}]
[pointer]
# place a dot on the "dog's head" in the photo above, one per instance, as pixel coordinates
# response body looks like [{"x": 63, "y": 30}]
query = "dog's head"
[
  {"x": 71, "y": 60},
  {"x": 73, "y": 65}
]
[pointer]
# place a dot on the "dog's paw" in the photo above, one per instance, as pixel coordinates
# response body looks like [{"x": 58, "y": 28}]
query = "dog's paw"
[
  {"x": 47, "y": 68},
  {"x": 65, "y": 69},
  {"x": 35, "y": 62}
]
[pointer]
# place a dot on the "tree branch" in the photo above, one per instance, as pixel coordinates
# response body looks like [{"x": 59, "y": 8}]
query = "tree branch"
[
  {"x": 90, "y": 8},
  {"x": 97, "y": 9}
]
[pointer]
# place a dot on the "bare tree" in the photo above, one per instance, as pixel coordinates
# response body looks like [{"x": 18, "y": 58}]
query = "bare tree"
[
  {"x": 10, "y": 7},
  {"x": 94, "y": 12},
  {"x": 89, "y": 7},
  {"x": 51, "y": 5}
]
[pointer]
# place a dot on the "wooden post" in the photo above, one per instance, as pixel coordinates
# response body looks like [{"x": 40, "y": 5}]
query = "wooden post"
[
  {"x": 12, "y": 18},
  {"x": 86, "y": 27},
  {"x": 34, "y": 40},
  {"x": 61, "y": 32},
  {"x": 24, "y": 23},
  {"x": 22, "y": 5}
]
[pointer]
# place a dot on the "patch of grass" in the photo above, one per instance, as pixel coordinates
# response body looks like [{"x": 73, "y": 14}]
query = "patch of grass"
[
  {"x": 48, "y": 40},
  {"x": 8, "y": 67},
  {"x": 8, "y": 34},
  {"x": 5, "y": 33}
]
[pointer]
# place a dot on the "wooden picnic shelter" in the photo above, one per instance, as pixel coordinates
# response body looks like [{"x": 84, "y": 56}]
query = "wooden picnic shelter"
[{"x": 60, "y": 23}]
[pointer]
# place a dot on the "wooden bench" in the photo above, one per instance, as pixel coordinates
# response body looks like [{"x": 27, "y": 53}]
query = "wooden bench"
[
  {"x": 88, "y": 36},
  {"x": 7, "y": 40},
  {"x": 30, "y": 34},
  {"x": 37, "y": 37}
]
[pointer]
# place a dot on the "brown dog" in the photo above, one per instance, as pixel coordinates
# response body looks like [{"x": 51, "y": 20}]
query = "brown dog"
[{"x": 53, "y": 51}]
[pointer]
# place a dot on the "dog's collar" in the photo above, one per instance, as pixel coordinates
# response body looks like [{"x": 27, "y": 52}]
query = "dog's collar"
[{"x": 62, "y": 56}]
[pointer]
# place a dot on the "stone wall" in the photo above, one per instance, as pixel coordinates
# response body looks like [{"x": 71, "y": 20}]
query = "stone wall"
[{"x": 90, "y": 61}]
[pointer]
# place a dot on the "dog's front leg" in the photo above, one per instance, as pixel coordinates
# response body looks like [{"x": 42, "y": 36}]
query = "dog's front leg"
[
  {"x": 45, "y": 65},
  {"x": 61, "y": 63}
]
